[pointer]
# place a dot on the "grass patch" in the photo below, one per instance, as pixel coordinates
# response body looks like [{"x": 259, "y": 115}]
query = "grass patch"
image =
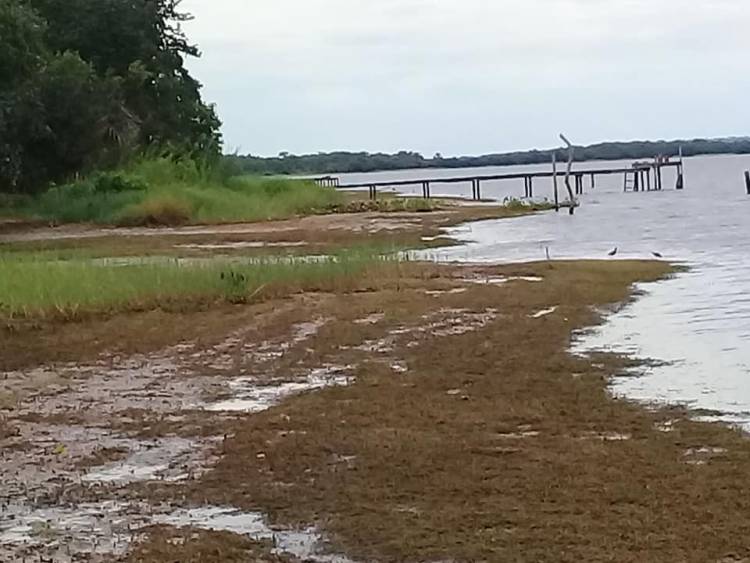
[
  {"x": 33, "y": 287},
  {"x": 164, "y": 190}
]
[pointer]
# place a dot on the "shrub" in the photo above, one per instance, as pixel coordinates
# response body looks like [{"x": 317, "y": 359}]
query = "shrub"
[
  {"x": 156, "y": 211},
  {"x": 117, "y": 182}
]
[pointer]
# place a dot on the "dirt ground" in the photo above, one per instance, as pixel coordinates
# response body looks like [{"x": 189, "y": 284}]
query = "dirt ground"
[
  {"x": 432, "y": 414},
  {"x": 303, "y": 235}
]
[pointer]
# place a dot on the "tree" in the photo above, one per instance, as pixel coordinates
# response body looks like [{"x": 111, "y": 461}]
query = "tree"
[
  {"x": 85, "y": 82},
  {"x": 142, "y": 42},
  {"x": 22, "y": 51}
]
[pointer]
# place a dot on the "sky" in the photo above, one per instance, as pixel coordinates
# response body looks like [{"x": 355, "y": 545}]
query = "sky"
[{"x": 464, "y": 77}]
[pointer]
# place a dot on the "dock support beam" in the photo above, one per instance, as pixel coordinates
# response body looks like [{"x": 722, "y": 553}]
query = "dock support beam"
[
  {"x": 373, "y": 193},
  {"x": 554, "y": 180},
  {"x": 658, "y": 176},
  {"x": 476, "y": 189},
  {"x": 579, "y": 184},
  {"x": 747, "y": 181}
]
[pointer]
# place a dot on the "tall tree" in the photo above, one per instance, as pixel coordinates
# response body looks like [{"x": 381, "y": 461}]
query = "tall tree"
[{"x": 141, "y": 41}]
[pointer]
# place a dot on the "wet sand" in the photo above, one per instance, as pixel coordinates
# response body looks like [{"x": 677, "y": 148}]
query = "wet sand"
[{"x": 431, "y": 413}]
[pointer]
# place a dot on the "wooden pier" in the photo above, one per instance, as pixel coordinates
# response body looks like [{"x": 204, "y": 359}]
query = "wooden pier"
[
  {"x": 327, "y": 181},
  {"x": 640, "y": 177}
]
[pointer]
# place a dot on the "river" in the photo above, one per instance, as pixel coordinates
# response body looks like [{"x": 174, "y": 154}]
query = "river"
[{"x": 696, "y": 325}]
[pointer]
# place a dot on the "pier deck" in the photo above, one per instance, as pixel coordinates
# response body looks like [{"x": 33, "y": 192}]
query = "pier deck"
[{"x": 637, "y": 178}]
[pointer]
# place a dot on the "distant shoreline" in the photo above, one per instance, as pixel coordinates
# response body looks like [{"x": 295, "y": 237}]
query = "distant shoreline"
[{"x": 362, "y": 162}]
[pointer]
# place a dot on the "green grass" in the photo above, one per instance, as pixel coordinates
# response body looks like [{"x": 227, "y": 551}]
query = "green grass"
[
  {"x": 32, "y": 286},
  {"x": 162, "y": 190}
]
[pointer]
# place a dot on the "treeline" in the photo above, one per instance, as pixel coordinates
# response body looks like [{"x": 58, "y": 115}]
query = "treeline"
[
  {"x": 86, "y": 83},
  {"x": 342, "y": 162}
]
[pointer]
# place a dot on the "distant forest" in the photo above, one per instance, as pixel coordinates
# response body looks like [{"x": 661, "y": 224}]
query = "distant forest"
[{"x": 340, "y": 162}]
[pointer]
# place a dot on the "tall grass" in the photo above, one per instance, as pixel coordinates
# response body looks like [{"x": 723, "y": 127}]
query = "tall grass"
[
  {"x": 165, "y": 190},
  {"x": 34, "y": 287}
]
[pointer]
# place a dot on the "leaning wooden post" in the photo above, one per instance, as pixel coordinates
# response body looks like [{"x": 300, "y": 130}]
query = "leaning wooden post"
[
  {"x": 554, "y": 179},
  {"x": 571, "y": 154}
]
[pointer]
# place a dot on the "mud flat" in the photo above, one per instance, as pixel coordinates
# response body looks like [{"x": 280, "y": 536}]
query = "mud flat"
[{"x": 431, "y": 413}]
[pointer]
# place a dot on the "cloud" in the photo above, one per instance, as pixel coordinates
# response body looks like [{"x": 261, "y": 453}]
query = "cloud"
[{"x": 469, "y": 76}]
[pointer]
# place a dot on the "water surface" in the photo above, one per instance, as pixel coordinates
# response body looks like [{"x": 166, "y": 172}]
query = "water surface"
[{"x": 698, "y": 323}]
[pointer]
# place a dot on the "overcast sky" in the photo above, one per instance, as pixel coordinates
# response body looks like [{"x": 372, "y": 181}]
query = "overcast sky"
[{"x": 470, "y": 76}]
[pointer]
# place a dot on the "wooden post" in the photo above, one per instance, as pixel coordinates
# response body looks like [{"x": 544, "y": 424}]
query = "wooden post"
[
  {"x": 747, "y": 181},
  {"x": 593, "y": 181},
  {"x": 554, "y": 180},
  {"x": 636, "y": 181},
  {"x": 571, "y": 155},
  {"x": 658, "y": 172},
  {"x": 479, "y": 189},
  {"x": 531, "y": 186}
]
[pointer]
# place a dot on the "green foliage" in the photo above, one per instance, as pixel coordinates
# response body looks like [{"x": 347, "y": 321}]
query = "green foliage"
[
  {"x": 21, "y": 42},
  {"x": 116, "y": 182},
  {"x": 166, "y": 190},
  {"x": 84, "y": 84}
]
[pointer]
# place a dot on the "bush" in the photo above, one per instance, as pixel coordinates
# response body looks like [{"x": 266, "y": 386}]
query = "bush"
[
  {"x": 117, "y": 182},
  {"x": 157, "y": 211}
]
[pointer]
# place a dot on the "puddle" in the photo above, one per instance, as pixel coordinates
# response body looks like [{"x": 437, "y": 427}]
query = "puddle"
[
  {"x": 248, "y": 396},
  {"x": 667, "y": 426},
  {"x": 163, "y": 459},
  {"x": 91, "y": 531},
  {"x": 500, "y": 280},
  {"x": 702, "y": 455},
  {"x": 241, "y": 245},
  {"x": 454, "y": 291},
  {"x": 307, "y": 544},
  {"x": 520, "y": 435},
  {"x": 543, "y": 313},
  {"x": 104, "y": 531},
  {"x": 608, "y": 436},
  {"x": 399, "y": 367},
  {"x": 373, "y": 319}
]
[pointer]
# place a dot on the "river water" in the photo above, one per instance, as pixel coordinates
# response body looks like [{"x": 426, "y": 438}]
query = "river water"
[{"x": 697, "y": 325}]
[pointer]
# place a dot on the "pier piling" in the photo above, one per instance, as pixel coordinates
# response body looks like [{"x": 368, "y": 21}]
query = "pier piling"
[{"x": 554, "y": 180}]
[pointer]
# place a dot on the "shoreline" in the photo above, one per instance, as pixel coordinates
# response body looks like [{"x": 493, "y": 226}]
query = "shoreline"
[{"x": 441, "y": 415}]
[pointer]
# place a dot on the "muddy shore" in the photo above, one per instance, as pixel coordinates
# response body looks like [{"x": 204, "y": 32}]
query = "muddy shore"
[{"x": 432, "y": 413}]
